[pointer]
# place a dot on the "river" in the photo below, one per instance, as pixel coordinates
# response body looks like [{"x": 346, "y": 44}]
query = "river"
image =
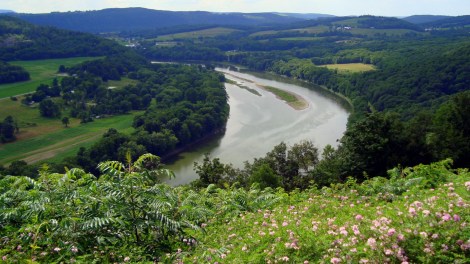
[{"x": 258, "y": 121}]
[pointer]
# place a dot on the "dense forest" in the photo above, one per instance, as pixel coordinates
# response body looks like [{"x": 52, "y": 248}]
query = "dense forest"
[{"x": 20, "y": 40}]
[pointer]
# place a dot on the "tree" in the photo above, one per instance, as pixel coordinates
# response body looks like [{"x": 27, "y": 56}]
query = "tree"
[
  {"x": 7, "y": 130},
  {"x": 210, "y": 171},
  {"x": 265, "y": 176},
  {"x": 451, "y": 130},
  {"x": 48, "y": 108},
  {"x": 65, "y": 121}
]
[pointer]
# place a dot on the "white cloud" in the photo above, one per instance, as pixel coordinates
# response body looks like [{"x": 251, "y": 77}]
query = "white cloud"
[{"x": 335, "y": 7}]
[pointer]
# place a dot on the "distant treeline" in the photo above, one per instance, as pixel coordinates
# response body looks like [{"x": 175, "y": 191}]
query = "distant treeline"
[
  {"x": 11, "y": 73},
  {"x": 20, "y": 40}
]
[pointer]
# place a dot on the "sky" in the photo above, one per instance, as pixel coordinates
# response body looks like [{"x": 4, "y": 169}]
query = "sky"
[{"x": 333, "y": 7}]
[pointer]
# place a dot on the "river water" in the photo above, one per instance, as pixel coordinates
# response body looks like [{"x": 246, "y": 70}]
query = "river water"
[{"x": 259, "y": 122}]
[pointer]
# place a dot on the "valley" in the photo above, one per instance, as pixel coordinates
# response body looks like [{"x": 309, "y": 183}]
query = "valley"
[{"x": 136, "y": 135}]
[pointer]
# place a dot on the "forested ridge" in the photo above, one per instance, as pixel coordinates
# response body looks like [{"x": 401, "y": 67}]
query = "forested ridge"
[{"x": 20, "y": 40}]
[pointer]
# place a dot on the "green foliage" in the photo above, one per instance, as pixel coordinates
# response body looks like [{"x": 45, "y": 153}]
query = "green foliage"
[
  {"x": 10, "y": 73},
  {"x": 24, "y": 41},
  {"x": 124, "y": 215},
  {"x": 48, "y": 108},
  {"x": 379, "y": 221}
]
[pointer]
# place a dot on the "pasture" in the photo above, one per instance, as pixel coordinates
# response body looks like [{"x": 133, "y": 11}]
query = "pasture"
[
  {"x": 41, "y": 71},
  {"x": 53, "y": 141},
  {"x": 205, "y": 33},
  {"x": 350, "y": 67}
]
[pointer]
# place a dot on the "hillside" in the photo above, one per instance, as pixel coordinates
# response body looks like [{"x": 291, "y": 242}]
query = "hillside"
[
  {"x": 422, "y": 19},
  {"x": 452, "y": 22},
  {"x": 20, "y": 40},
  {"x": 419, "y": 215},
  {"x": 129, "y": 19}
]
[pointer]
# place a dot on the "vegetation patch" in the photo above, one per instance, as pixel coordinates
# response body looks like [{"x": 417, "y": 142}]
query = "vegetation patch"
[
  {"x": 205, "y": 33},
  {"x": 41, "y": 71},
  {"x": 350, "y": 67},
  {"x": 294, "y": 100},
  {"x": 50, "y": 139}
]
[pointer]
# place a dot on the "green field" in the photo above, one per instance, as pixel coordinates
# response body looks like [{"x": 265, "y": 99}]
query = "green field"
[
  {"x": 205, "y": 33},
  {"x": 350, "y": 67},
  {"x": 122, "y": 83},
  {"x": 56, "y": 145},
  {"x": 389, "y": 32},
  {"x": 302, "y": 39},
  {"x": 41, "y": 71}
]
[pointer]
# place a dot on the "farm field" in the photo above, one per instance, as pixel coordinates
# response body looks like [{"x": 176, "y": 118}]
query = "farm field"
[
  {"x": 350, "y": 67},
  {"x": 41, "y": 71},
  {"x": 205, "y": 33},
  {"x": 54, "y": 141}
]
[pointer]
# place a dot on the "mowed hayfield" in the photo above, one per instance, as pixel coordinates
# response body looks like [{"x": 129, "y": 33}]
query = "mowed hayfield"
[
  {"x": 41, "y": 71},
  {"x": 53, "y": 141},
  {"x": 43, "y": 138},
  {"x": 350, "y": 67},
  {"x": 205, "y": 33}
]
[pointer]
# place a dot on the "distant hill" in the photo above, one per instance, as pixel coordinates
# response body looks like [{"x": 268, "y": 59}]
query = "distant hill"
[
  {"x": 421, "y": 19},
  {"x": 451, "y": 22},
  {"x": 305, "y": 16},
  {"x": 130, "y": 19},
  {"x": 20, "y": 40},
  {"x": 6, "y": 11}
]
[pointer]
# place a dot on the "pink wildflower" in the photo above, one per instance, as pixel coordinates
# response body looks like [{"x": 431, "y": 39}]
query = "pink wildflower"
[
  {"x": 244, "y": 248},
  {"x": 388, "y": 252},
  {"x": 306, "y": 262},
  {"x": 362, "y": 261},
  {"x": 456, "y": 217},
  {"x": 74, "y": 249},
  {"x": 284, "y": 223},
  {"x": 412, "y": 211},
  {"x": 467, "y": 185},
  {"x": 355, "y": 229},
  {"x": 446, "y": 217},
  {"x": 359, "y": 217},
  {"x": 391, "y": 232},
  {"x": 372, "y": 243},
  {"x": 285, "y": 258},
  {"x": 57, "y": 249},
  {"x": 426, "y": 212},
  {"x": 335, "y": 260},
  {"x": 4, "y": 258},
  {"x": 126, "y": 259}
]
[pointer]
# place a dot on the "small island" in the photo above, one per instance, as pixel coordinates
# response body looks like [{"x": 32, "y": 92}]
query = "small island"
[{"x": 292, "y": 99}]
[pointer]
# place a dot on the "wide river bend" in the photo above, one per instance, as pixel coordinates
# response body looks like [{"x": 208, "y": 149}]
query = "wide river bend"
[{"x": 258, "y": 121}]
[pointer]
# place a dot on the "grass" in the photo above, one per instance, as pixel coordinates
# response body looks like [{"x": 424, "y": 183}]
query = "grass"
[
  {"x": 389, "y": 32},
  {"x": 301, "y": 38},
  {"x": 350, "y": 67},
  {"x": 205, "y": 33},
  {"x": 283, "y": 95},
  {"x": 41, "y": 71},
  {"x": 54, "y": 142},
  {"x": 122, "y": 83},
  {"x": 291, "y": 99}
]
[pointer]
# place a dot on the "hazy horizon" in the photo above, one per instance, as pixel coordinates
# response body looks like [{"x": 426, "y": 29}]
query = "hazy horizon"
[{"x": 396, "y": 8}]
